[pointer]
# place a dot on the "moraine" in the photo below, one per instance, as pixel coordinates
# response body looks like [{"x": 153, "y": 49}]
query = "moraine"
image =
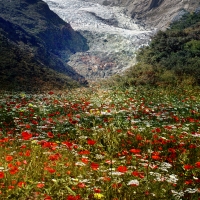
[{"x": 112, "y": 36}]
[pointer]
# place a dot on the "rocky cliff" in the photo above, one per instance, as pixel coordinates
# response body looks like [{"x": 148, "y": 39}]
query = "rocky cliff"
[
  {"x": 154, "y": 13},
  {"x": 33, "y": 35}
]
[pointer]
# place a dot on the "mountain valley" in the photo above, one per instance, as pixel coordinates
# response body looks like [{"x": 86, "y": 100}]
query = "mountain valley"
[{"x": 115, "y": 30}]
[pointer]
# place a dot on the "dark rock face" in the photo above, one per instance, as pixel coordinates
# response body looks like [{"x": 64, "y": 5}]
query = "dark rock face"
[
  {"x": 155, "y": 3},
  {"x": 31, "y": 27}
]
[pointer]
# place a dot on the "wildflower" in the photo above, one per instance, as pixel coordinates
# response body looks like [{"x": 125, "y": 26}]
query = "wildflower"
[
  {"x": 21, "y": 184},
  {"x": 50, "y": 134},
  {"x": 135, "y": 151},
  {"x": 26, "y": 135},
  {"x": 155, "y": 156},
  {"x": 40, "y": 185},
  {"x": 91, "y": 142},
  {"x": 69, "y": 145},
  {"x": 1, "y": 175},
  {"x": 50, "y": 170},
  {"x": 70, "y": 197},
  {"x": 133, "y": 183},
  {"x": 97, "y": 190},
  {"x": 84, "y": 152},
  {"x": 27, "y": 153},
  {"x": 197, "y": 164},
  {"x": 94, "y": 166},
  {"x": 188, "y": 167},
  {"x": 84, "y": 160},
  {"x": 98, "y": 196},
  {"x": 106, "y": 178},
  {"x": 122, "y": 169},
  {"x": 9, "y": 158},
  {"x": 138, "y": 174},
  {"x": 54, "y": 157},
  {"x": 13, "y": 170},
  {"x": 189, "y": 182},
  {"x": 48, "y": 198},
  {"x": 81, "y": 185}
]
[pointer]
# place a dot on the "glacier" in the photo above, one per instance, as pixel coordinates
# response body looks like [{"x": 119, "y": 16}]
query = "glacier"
[{"x": 113, "y": 37}]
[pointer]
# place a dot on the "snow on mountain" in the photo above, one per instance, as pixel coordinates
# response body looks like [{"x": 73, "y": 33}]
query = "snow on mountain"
[{"x": 112, "y": 36}]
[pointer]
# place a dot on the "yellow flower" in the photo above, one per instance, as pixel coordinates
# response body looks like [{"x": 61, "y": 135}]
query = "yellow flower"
[
  {"x": 22, "y": 94},
  {"x": 98, "y": 196}
]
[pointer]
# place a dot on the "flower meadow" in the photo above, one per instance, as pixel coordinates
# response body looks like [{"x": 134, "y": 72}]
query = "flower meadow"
[{"x": 93, "y": 143}]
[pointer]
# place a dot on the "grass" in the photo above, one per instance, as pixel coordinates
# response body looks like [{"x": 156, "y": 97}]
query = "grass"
[{"x": 94, "y": 143}]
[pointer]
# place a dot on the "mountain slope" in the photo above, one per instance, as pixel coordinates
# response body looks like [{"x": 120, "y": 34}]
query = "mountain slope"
[
  {"x": 172, "y": 57},
  {"x": 32, "y": 35},
  {"x": 155, "y": 13}
]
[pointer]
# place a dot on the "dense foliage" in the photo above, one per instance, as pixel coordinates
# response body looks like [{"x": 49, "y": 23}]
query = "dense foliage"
[
  {"x": 172, "y": 56},
  {"x": 177, "y": 49}
]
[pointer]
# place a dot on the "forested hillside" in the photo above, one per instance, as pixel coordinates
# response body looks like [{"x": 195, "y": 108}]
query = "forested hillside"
[{"x": 172, "y": 56}]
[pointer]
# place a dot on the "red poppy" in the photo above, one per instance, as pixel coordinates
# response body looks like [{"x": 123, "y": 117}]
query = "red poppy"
[
  {"x": 18, "y": 163},
  {"x": 188, "y": 167},
  {"x": 138, "y": 174},
  {"x": 28, "y": 126},
  {"x": 81, "y": 185},
  {"x": 54, "y": 157},
  {"x": 50, "y": 134},
  {"x": 197, "y": 164},
  {"x": 70, "y": 197},
  {"x": 50, "y": 170},
  {"x": 27, "y": 153},
  {"x": 189, "y": 182},
  {"x": 69, "y": 145},
  {"x": 91, "y": 142},
  {"x": 21, "y": 184},
  {"x": 9, "y": 158},
  {"x": 138, "y": 137},
  {"x": 155, "y": 156},
  {"x": 26, "y": 135},
  {"x": 122, "y": 169},
  {"x": 84, "y": 160},
  {"x": 97, "y": 190},
  {"x": 1, "y": 175},
  {"x": 40, "y": 185},
  {"x": 84, "y": 152},
  {"x": 106, "y": 178},
  {"x": 94, "y": 166},
  {"x": 13, "y": 170},
  {"x": 135, "y": 151},
  {"x": 47, "y": 198}
]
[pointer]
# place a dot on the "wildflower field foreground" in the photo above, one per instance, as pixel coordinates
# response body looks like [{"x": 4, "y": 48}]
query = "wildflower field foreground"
[{"x": 138, "y": 143}]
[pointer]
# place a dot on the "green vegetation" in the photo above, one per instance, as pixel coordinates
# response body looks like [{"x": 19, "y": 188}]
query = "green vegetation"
[
  {"x": 34, "y": 47},
  {"x": 172, "y": 57},
  {"x": 20, "y": 71}
]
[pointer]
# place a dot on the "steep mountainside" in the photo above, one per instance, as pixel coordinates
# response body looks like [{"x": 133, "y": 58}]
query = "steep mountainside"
[
  {"x": 112, "y": 36},
  {"x": 171, "y": 58},
  {"x": 35, "y": 45},
  {"x": 155, "y": 13}
]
